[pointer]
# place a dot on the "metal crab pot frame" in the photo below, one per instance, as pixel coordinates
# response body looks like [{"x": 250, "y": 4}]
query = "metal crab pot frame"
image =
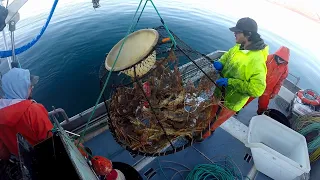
[{"x": 168, "y": 58}]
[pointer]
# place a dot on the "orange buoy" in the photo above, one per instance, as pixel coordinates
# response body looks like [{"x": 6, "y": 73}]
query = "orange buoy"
[{"x": 101, "y": 165}]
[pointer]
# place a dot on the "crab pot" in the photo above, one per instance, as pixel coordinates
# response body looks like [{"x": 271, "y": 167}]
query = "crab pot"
[{"x": 159, "y": 98}]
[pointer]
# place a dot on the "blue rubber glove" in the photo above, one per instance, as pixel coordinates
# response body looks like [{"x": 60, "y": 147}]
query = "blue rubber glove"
[
  {"x": 218, "y": 65},
  {"x": 222, "y": 82}
]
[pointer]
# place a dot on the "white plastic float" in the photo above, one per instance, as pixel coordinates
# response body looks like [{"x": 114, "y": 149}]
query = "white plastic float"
[{"x": 143, "y": 42}]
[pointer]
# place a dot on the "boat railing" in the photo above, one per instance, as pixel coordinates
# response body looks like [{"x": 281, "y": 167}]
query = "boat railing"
[
  {"x": 292, "y": 85},
  {"x": 297, "y": 79},
  {"x": 216, "y": 54},
  {"x": 79, "y": 120},
  {"x": 57, "y": 113}
]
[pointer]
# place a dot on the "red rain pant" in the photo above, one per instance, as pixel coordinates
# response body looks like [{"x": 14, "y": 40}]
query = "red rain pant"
[
  {"x": 263, "y": 103},
  {"x": 223, "y": 116}
]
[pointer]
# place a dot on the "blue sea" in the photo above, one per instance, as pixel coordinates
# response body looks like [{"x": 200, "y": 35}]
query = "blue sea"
[{"x": 68, "y": 56}]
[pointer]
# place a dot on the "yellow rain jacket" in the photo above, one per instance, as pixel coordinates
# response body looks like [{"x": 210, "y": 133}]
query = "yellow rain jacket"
[{"x": 246, "y": 72}]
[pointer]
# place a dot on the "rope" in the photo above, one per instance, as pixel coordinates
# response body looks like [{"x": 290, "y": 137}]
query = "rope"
[
  {"x": 308, "y": 125},
  {"x": 4, "y": 54},
  {"x": 109, "y": 75},
  {"x": 315, "y": 143},
  {"x": 211, "y": 171},
  {"x": 315, "y": 155},
  {"x": 174, "y": 43},
  {"x": 164, "y": 24},
  {"x": 214, "y": 170},
  {"x": 305, "y": 120},
  {"x": 140, "y": 14},
  {"x": 225, "y": 169}
]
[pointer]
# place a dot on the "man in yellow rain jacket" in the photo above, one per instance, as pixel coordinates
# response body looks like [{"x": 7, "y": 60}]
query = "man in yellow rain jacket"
[{"x": 243, "y": 70}]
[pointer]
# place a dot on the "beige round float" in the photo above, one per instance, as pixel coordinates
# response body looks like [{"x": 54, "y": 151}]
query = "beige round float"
[{"x": 133, "y": 54}]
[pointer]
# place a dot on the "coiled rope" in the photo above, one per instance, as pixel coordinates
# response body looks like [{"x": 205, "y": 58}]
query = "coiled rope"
[
  {"x": 315, "y": 155},
  {"x": 211, "y": 171},
  {"x": 309, "y": 125},
  {"x": 8, "y": 53},
  {"x": 223, "y": 168},
  {"x": 315, "y": 143}
]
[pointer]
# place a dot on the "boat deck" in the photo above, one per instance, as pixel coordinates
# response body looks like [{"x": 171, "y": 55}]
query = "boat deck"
[{"x": 215, "y": 148}]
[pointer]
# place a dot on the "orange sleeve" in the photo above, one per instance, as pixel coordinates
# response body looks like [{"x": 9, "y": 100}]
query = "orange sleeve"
[
  {"x": 40, "y": 122},
  {"x": 277, "y": 87}
]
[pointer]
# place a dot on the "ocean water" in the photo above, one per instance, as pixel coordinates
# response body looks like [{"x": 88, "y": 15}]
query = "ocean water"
[{"x": 68, "y": 56}]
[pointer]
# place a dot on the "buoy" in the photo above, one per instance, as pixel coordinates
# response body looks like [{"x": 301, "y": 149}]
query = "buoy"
[{"x": 101, "y": 165}]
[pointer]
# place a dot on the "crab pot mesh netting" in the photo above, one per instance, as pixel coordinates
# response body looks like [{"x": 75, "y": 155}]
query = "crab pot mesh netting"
[{"x": 164, "y": 110}]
